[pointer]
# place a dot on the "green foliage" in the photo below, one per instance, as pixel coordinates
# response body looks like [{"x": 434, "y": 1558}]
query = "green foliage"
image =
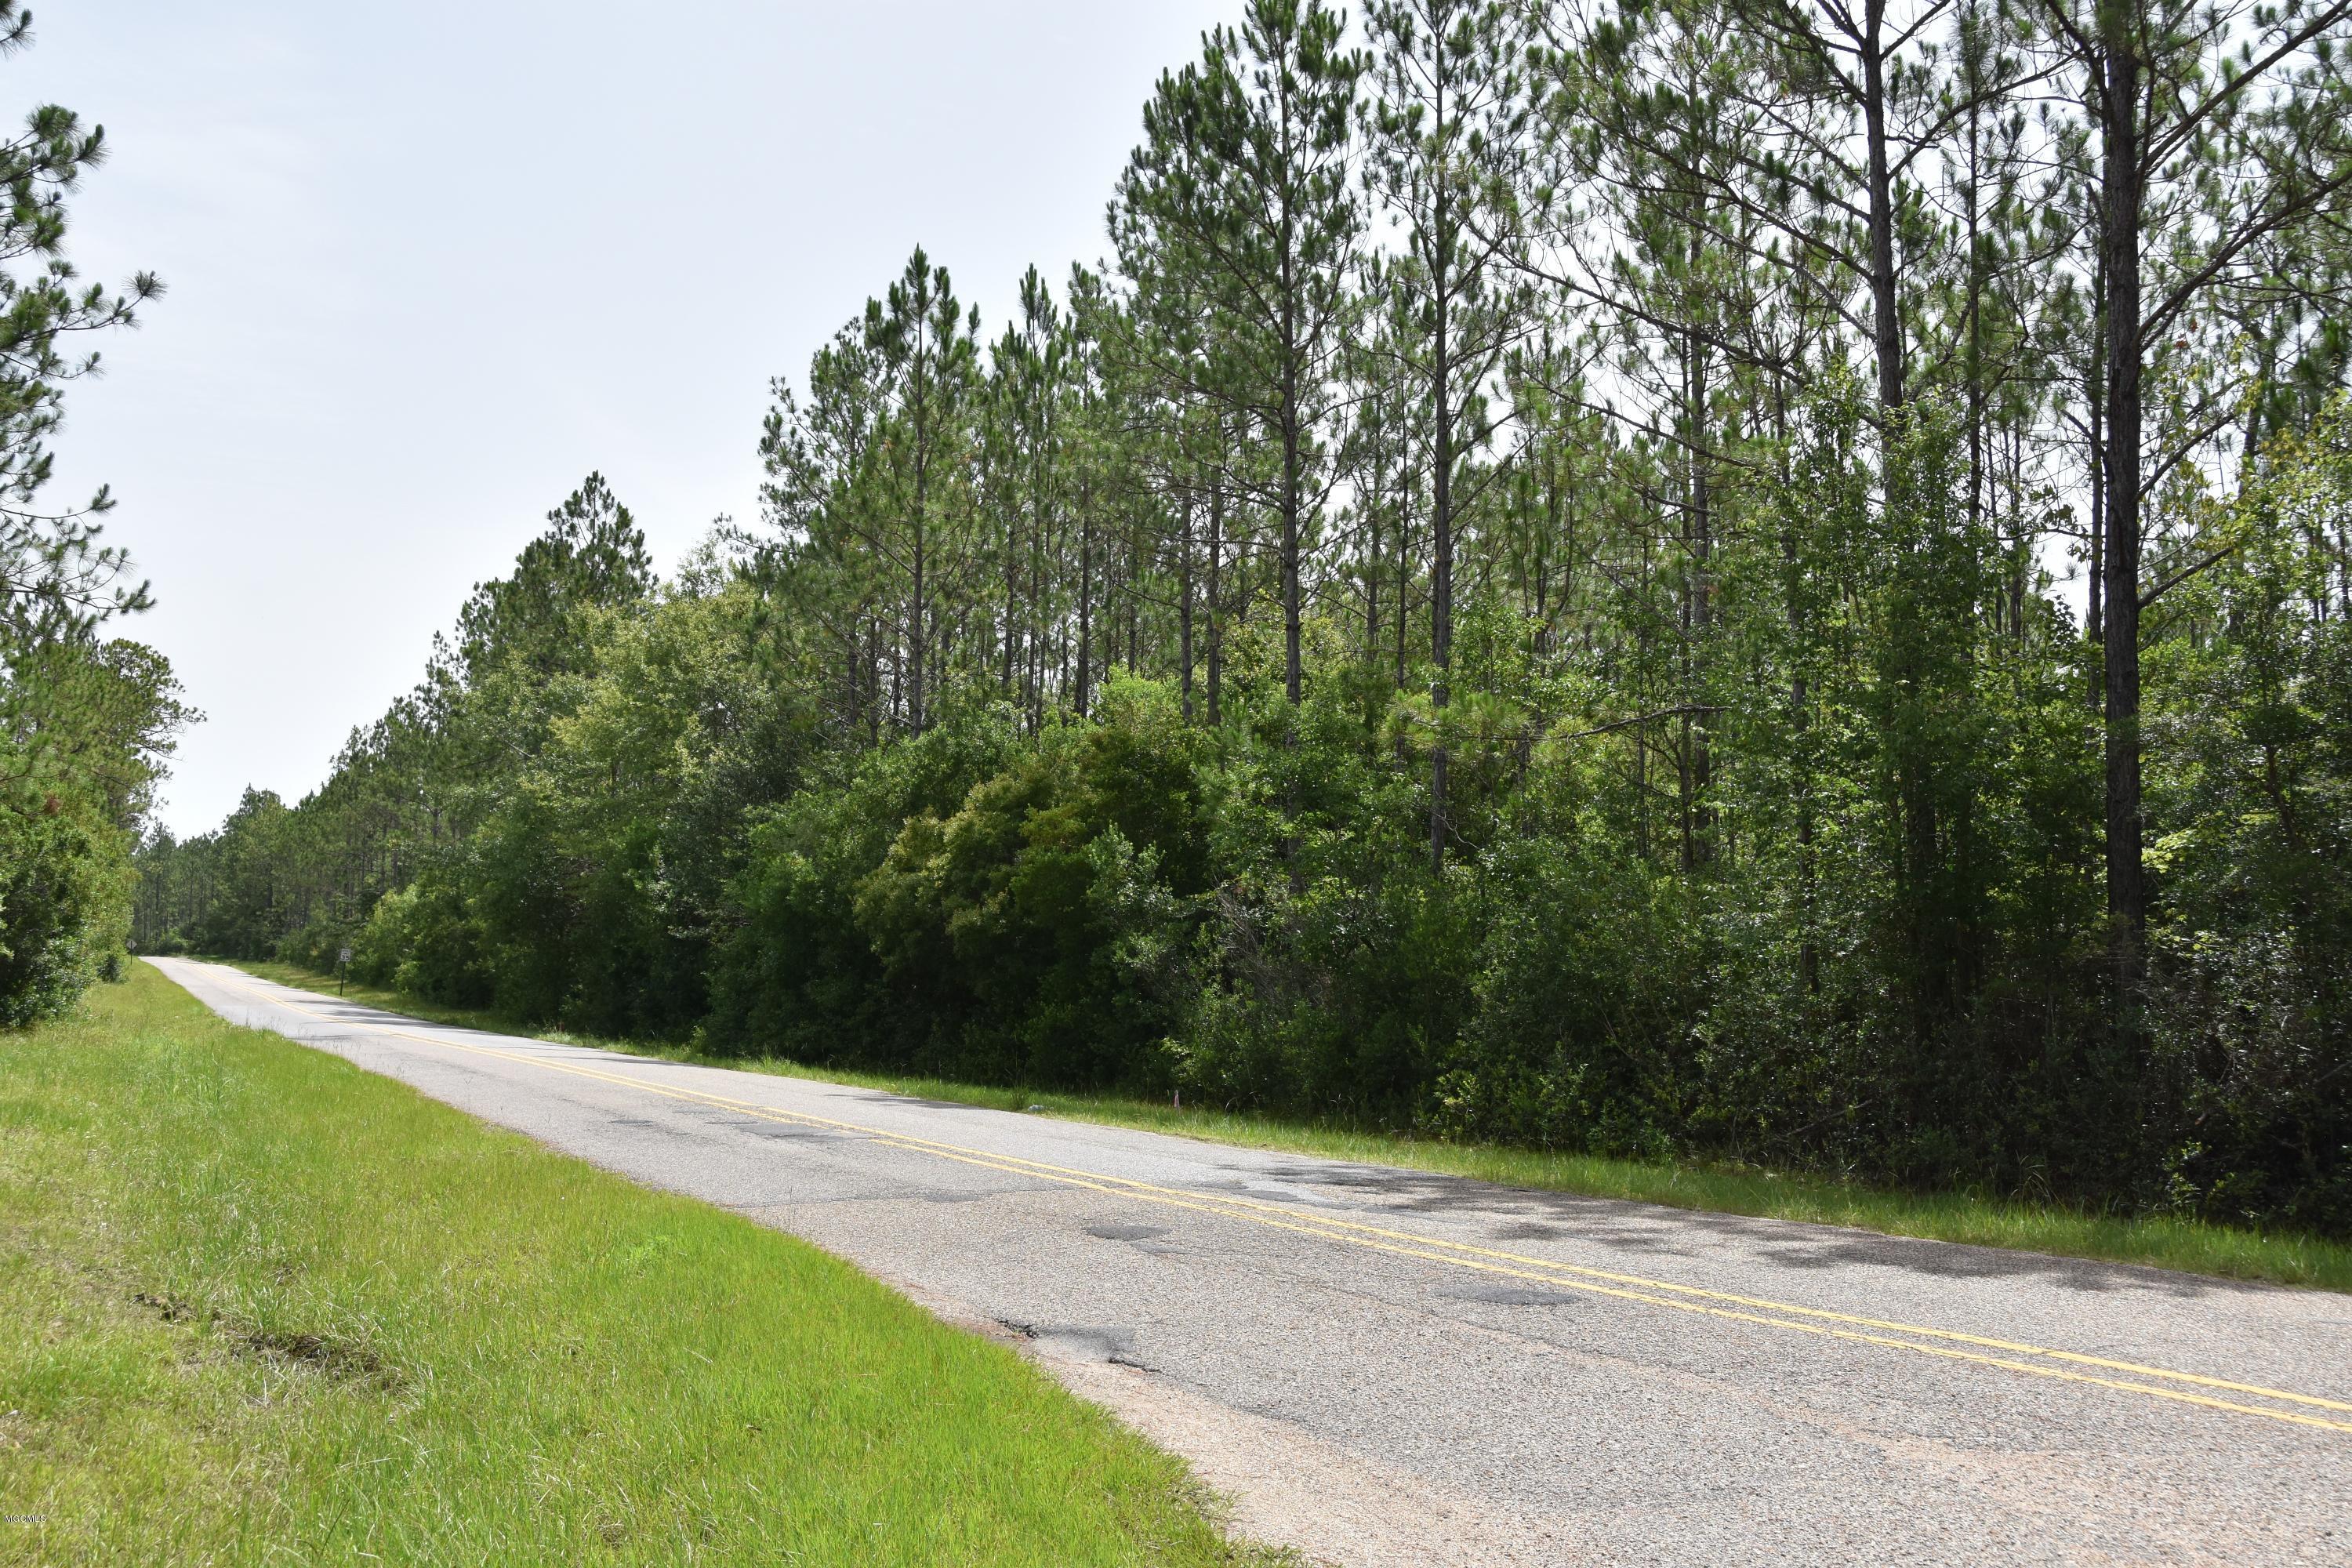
[
  {"x": 1535, "y": 601},
  {"x": 2256, "y": 1002},
  {"x": 85, "y": 721},
  {"x": 92, "y": 723},
  {"x": 423, "y": 939},
  {"x": 961, "y": 903},
  {"x": 1588, "y": 1026},
  {"x": 64, "y": 904},
  {"x": 1874, "y": 938}
]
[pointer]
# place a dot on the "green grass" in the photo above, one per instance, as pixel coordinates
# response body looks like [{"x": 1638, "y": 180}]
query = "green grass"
[{"x": 258, "y": 1307}]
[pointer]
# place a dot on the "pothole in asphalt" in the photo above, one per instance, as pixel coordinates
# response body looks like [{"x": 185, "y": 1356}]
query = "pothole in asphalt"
[{"x": 1127, "y": 1232}]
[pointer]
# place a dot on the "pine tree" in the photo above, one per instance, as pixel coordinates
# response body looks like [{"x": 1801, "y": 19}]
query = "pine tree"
[
  {"x": 925, "y": 349},
  {"x": 1444, "y": 132},
  {"x": 2179, "y": 91},
  {"x": 1244, "y": 177}
]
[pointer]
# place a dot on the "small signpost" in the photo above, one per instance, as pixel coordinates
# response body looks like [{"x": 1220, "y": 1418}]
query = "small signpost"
[{"x": 343, "y": 963}]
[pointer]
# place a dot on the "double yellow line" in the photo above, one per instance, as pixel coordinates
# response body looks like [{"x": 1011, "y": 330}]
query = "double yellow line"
[{"x": 2034, "y": 1360}]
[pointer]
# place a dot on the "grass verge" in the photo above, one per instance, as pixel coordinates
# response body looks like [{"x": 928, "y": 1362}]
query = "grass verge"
[
  {"x": 2193, "y": 1245},
  {"x": 258, "y": 1306}
]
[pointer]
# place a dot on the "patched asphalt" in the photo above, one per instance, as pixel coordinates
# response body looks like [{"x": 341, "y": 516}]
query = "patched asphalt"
[{"x": 1391, "y": 1366}]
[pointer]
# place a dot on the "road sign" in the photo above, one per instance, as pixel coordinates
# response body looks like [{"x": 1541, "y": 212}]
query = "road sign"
[{"x": 344, "y": 956}]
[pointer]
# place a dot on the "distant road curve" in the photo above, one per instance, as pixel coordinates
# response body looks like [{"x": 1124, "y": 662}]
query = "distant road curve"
[{"x": 1387, "y": 1366}]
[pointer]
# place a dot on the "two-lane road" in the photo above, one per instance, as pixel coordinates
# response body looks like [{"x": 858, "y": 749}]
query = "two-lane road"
[{"x": 1390, "y": 1366}]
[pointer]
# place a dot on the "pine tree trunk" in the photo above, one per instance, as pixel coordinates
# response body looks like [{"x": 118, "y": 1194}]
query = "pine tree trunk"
[
  {"x": 1373, "y": 576},
  {"x": 1698, "y": 842},
  {"x": 1216, "y": 601},
  {"x": 2121, "y": 200},
  {"x": 1441, "y": 581},
  {"x": 2096, "y": 399},
  {"x": 1887, "y": 325},
  {"x": 1404, "y": 585},
  {"x": 1011, "y": 599},
  {"x": 1184, "y": 607},
  {"x": 1086, "y": 591},
  {"x": 918, "y": 630},
  {"x": 1292, "y": 611}
]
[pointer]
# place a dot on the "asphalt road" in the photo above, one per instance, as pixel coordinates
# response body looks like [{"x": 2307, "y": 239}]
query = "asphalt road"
[{"x": 1389, "y": 1366}]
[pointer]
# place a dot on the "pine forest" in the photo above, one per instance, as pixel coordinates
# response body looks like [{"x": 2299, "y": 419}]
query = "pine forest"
[{"x": 1757, "y": 580}]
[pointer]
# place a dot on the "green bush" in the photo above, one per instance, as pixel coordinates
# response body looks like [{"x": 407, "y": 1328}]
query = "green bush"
[
  {"x": 423, "y": 939},
  {"x": 65, "y": 906}
]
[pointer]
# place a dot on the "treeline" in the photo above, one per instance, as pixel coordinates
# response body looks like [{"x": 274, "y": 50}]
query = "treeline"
[
  {"x": 1757, "y": 578},
  {"x": 86, "y": 719}
]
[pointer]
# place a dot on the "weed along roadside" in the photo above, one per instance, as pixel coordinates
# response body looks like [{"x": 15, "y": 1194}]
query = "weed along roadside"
[{"x": 255, "y": 1302}]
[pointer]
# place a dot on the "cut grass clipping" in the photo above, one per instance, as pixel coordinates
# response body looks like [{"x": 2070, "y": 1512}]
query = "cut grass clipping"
[
  {"x": 2160, "y": 1241},
  {"x": 257, "y": 1306}
]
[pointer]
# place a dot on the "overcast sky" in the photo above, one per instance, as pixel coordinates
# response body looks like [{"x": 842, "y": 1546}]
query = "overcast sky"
[{"x": 429, "y": 264}]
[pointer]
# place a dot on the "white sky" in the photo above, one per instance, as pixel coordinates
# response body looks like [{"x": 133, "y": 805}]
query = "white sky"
[{"x": 430, "y": 264}]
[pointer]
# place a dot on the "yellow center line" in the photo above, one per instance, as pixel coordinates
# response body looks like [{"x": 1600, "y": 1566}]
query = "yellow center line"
[{"x": 1690, "y": 1299}]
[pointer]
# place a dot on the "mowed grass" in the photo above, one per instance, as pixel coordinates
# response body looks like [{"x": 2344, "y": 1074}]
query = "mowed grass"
[
  {"x": 259, "y": 1306},
  {"x": 2157, "y": 1241}
]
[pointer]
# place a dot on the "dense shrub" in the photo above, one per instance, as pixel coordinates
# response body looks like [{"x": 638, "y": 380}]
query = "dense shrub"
[{"x": 65, "y": 906}]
